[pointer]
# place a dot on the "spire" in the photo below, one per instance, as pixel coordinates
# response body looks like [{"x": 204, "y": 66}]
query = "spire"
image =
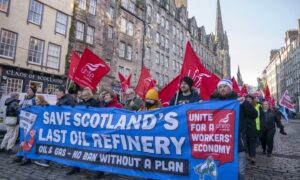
[
  {"x": 239, "y": 77},
  {"x": 219, "y": 25}
]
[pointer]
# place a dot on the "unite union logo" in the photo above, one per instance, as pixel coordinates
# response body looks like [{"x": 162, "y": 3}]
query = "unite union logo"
[
  {"x": 197, "y": 77},
  {"x": 89, "y": 69},
  {"x": 223, "y": 122}
]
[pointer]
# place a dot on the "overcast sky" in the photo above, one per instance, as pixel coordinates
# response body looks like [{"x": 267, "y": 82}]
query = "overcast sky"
[{"x": 254, "y": 27}]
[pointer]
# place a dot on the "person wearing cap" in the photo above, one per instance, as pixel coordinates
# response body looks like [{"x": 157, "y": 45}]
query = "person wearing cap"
[
  {"x": 132, "y": 103},
  {"x": 225, "y": 92},
  {"x": 152, "y": 101},
  {"x": 186, "y": 93}
]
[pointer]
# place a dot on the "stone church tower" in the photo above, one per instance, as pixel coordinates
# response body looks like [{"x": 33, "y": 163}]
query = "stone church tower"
[{"x": 221, "y": 42}]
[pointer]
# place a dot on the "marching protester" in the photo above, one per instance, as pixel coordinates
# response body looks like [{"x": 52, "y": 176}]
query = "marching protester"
[
  {"x": 251, "y": 132},
  {"x": 41, "y": 101},
  {"x": 87, "y": 99},
  {"x": 11, "y": 122},
  {"x": 258, "y": 108},
  {"x": 132, "y": 102},
  {"x": 63, "y": 98},
  {"x": 79, "y": 96},
  {"x": 152, "y": 101},
  {"x": 268, "y": 118},
  {"x": 109, "y": 99},
  {"x": 186, "y": 93},
  {"x": 225, "y": 92},
  {"x": 30, "y": 97}
]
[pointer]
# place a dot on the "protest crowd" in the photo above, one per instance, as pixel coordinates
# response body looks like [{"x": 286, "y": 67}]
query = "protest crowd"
[{"x": 259, "y": 116}]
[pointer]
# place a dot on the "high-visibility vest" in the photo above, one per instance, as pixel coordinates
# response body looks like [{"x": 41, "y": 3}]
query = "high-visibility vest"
[{"x": 257, "y": 120}]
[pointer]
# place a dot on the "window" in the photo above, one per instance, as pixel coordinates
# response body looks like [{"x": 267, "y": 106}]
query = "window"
[
  {"x": 14, "y": 85},
  {"x": 157, "y": 58},
  {"x": 149, "y": 13},
  {"x": 111, "y": 13},
  {"x": 167, "y": 25},
  {"x": 90, "y": 35},
  {"x": 167, "y": 43},
  {"x": 123, "y": 25},
  {"x": 36, "y": 51},
  {"x": 148, "y": 32},
  {"x": 130, "y": 28},
  {"x": 35, "y": 12},
  {"x": 61, "y": 23},
  {"x": 162, "y": 60},
  {"x": 157, "y": 38},
  {"x": 163, "y": 22},
  {"x": 129, "y": 53},
  {"x": 127, "y": 72},
  {"x": 147, "y": 54},
  {"x": 79, "y": 30},
  {"x": 162, "y": 40},
  {"x": 121, "y": 69},
  {"x": 166, "y": 79},
  {"x": 174, "y": 65},
  {"x": 4, "y": 5},
  {"x": 174, "y": 31},
  {"x": 122, "y": 49},
  {"x": 181, "y": 36},
  {"x": 92, "y": 8},
  {"x": 81, "y": 4},
  {"x": 124, "y": 3},
  {"x": 110, "y": 32},
  {"x": 53, "y": 56},
  {"x": 158, "y": 18},
  {"x": 131, "y": 7},
  {"x": 174, "y": 49},
  {"x": 51, "y": 88},
  {"x": 8, "y": 42},
  {"x": 167, "y": 62}
]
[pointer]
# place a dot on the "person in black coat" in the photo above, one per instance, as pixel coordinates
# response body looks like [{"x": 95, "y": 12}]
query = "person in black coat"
[
  {"x": 63, "y": 98},
  {"x": 251, "y": 133},
  {"x": 268, "y": 119},
  {"x": 225, "y": 92},
  {"x": 186, "y": 93},
  {"x": 87, "y": 98}
]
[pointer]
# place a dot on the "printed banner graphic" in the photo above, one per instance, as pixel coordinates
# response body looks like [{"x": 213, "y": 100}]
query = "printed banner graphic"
[{"x": 191, "y": 141}]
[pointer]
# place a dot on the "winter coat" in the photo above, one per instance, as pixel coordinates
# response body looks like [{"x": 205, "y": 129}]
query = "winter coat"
[
  {"x": 138, "y": 103},
  {"x": 28, "y": 102},
  {"x": 268, "y": 120},
  {"x": 67, "y": 100},
  {"x": 12, "y": 107},
  {"x": 90, "y": 102},
  {"x": 246, "y": 111},
  {"x": 179, "y": 98},
  {"x": 251, "y": 130}
]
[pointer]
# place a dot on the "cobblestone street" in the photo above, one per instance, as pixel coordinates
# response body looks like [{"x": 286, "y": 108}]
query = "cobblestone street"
[{"x": 284, "y": 164}]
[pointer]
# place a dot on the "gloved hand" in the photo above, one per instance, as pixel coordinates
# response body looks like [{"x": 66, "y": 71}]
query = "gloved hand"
[{"x": 282, "y": 131}]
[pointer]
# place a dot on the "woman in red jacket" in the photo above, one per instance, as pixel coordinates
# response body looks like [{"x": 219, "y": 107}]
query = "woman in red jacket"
[{"x": 109, "y": 99}]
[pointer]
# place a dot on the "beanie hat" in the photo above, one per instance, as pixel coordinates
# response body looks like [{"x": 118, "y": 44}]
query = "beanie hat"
[
  {"x": 188, "y": 80},
  {"x": 225, "y": 82},
  {"x": 152, "y": 94}
]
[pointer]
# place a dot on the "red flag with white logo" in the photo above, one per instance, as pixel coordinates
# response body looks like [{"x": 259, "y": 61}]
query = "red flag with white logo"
[
  {"x": 235, "y": 86},
  {"x": 125, "y": 83},
  {"x": 75, "y": 59},
  {"x": 91, "y": 69},
  {"x": 168, "y": 91},
  {"x": 267, "y": 93},
  {"x": 145, "y": 83},
  {"x": 244, "y": 91},
  {"x": 204, "y": 80}
]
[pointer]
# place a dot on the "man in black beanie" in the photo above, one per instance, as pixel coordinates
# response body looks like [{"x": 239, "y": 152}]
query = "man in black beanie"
[{"x": 186, "y": 93}]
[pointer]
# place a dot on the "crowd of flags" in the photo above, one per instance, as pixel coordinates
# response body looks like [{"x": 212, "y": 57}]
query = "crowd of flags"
[{"x": 89, "y": 69}]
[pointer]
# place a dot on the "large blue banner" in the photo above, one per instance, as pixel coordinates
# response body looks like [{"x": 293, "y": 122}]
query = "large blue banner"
[{"x": 192, "y": 141}]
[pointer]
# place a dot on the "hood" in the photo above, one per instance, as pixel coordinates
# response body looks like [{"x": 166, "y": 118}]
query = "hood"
[{"x": 10, "y": 100}]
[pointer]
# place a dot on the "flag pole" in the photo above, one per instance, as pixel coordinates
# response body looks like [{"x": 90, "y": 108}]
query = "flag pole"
[{"x": 67, "y": 85}]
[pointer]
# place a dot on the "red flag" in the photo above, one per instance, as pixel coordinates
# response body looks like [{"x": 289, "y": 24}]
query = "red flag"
[
  {"x": 244, "y": 91},
  {"x": 75, "y": 59},
  {"x": 267, "y": 93},
  {"x": 204, "y": 80},
  {"x": 168, "y": 91},
  {"x": 125, "y": 83},
  {"x": 145, "y": 83},
  {"x": 91, "y": 69},
  {"x": 235, "y": 86}
]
